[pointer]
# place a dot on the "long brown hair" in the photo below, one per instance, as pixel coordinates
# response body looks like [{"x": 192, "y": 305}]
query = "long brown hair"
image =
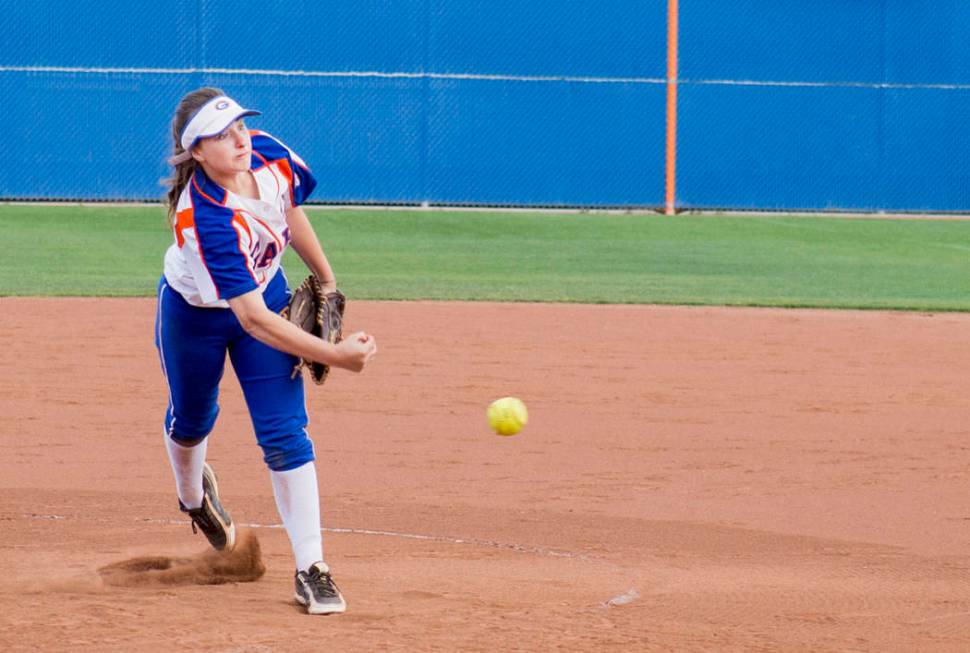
[{"x": 186, "y": 108}]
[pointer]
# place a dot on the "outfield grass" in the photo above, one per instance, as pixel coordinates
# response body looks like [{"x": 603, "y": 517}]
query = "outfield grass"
[{"x": 513, "y": 256}]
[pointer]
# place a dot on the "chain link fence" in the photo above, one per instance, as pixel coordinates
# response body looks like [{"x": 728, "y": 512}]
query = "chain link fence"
[{"x": 797, "y": 105}]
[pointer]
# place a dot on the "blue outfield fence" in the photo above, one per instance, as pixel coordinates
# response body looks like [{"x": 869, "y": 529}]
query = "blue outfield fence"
[
  {"x": 802, "y": 105},
  {"x": 825, "y": 104}
]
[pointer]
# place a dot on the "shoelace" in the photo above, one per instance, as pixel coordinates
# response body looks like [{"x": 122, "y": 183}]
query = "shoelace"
[
  {"x": 321, "y": 583},
  {"x": 202, "y": 519}
]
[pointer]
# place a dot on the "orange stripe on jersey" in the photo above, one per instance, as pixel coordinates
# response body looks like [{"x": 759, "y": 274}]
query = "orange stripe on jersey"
[
  {"x": 209, "y": 197},
  {"x": 239, "y": 224},
  {"x": 184, "y": 219},
  {"x": 266, "y": 164},
  {"x": 261, "y": 158},
  {"x": 238, "y": 219},
  {"x": 284, "y": 167}
]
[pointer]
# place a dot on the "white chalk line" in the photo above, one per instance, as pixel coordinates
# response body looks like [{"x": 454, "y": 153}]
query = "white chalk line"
[
  {"x": 571, "y": 210},
  {"x": 541, "y": 551},
  {"x": 622, "y": 599}
]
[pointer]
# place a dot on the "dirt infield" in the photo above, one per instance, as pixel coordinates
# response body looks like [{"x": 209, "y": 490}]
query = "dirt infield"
[{"x": 691, "y": 479}]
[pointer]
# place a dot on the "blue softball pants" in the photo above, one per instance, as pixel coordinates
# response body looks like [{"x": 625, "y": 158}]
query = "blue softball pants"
[{"x": 192, "y": 343}]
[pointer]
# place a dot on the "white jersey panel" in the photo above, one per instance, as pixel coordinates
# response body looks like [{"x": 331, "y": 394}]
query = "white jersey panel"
[{"x": 225, "y": 244}]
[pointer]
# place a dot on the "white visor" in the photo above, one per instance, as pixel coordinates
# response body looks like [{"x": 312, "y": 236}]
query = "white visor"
[{"x": 212, "y": 118}]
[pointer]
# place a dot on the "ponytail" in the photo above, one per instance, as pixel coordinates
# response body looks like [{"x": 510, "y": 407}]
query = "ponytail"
[{"x": 184, "y": 166}]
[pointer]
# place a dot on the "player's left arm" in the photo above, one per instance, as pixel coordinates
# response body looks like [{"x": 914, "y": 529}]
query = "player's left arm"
[{"x": 307, "y": 245}]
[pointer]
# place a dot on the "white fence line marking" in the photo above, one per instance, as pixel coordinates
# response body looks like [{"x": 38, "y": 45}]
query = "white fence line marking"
[
  {"x": 797, "y": 84},
  {"x": 331, "y": 73},
  {"x": 580, "y": 79}
]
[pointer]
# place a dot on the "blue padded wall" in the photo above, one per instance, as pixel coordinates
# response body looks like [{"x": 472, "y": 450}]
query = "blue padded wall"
[
  {"x": 811, "y": 104},
  {"x": 824, "y": 104},
  {"x": 503, "y": 102}
]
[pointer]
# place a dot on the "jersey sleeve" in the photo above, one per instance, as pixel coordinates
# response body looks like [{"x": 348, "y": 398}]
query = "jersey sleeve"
[
  {"x": 216, "y": 250},
  {"x": 298, "y": 174}
]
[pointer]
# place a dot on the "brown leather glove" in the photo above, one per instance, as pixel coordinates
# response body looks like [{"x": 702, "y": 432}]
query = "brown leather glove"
[{"x": 320, "y": 314}]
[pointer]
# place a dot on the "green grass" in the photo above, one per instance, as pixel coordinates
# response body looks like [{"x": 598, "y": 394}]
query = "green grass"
[{"x": 844, "y": 262}]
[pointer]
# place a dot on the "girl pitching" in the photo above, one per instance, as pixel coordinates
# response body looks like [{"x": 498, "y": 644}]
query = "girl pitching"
[{"x": 234, "y": 205}]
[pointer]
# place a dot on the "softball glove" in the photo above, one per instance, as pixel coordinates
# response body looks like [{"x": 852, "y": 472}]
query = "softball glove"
[{"x": 320, "y": 314}]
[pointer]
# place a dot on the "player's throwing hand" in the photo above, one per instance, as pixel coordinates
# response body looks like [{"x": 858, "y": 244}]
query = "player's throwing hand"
[{"x": 356, "y": 350}]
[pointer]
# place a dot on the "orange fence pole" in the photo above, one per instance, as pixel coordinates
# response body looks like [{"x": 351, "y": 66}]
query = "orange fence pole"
[{"x": 670, "y": 186}]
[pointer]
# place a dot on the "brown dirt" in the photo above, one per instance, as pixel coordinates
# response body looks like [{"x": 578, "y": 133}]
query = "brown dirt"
[
  {"x": 243, "y": 564},
  {"x": 691, "y": 479}
]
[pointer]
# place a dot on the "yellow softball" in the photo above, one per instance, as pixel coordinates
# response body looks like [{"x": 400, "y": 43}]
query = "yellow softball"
[{"x": 507, "y": 415}]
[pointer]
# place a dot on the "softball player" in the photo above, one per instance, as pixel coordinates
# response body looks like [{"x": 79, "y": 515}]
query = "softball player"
[{"x": 234, "y": 205}]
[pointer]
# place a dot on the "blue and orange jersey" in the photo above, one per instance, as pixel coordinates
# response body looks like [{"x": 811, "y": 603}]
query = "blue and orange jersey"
[{"x": 227, "y": 245}]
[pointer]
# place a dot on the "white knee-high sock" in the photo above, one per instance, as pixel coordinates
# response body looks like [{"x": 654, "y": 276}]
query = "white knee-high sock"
[
  {"x": 187, "y": 465},
  {"x": 298, "y": 501}
]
